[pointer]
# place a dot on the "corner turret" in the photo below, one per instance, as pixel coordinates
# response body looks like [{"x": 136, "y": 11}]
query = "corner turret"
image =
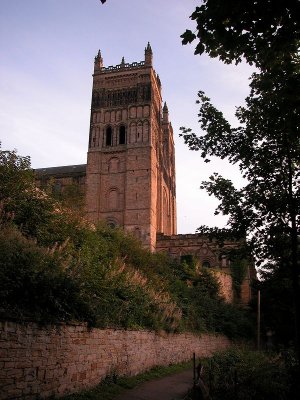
[
  {"x": 165, "y": 114},
  {"x": 158, "y": 81},
  {"x": 148, "y": 56},
  {"x": 98, "y": 62}
]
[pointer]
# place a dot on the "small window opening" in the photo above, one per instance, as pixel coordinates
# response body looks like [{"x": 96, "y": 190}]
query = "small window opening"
[
  {"x": 206, "y": 264},
  {"x": 122, "y": 135},
  {"x": 108, "y": 136}
]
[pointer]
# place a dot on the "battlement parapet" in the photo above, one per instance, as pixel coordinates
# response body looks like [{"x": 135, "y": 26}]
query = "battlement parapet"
[{"x": 122, "y": 66}]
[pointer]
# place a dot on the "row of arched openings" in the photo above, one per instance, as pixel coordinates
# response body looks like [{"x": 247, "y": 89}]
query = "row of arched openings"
[{"x": 121, "y": 138}]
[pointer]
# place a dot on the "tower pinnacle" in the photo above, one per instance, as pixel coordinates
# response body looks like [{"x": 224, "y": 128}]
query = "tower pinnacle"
[
  {"x": 148, "y": 55},
  {"x": 165, "y": 113},
  {"x": 98, "y": 61}
]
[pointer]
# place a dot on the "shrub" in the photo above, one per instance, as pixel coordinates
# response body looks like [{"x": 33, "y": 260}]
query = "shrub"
[
  {"x": 245, "y": 374},
  {"x": 55, "y": 265},
  {"x": 35, "y": 283}
]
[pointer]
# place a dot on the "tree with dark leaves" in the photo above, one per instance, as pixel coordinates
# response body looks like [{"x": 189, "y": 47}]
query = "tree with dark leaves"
[
  {"x": 260, "y": 31},
  {"x": 266, "y": 145}
]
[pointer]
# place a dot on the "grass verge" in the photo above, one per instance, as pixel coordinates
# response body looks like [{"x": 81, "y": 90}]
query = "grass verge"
[{"x": 113, "y": 385}]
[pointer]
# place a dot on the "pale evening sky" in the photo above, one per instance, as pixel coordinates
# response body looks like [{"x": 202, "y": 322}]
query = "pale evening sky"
[{"x": 47, "y": 49}]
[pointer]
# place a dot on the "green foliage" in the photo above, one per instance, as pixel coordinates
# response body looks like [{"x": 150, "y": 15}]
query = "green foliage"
[
  {"x": 15, "y": 175},
  {"x": 36, "y": 283},
  {"x": 266, "y": 206},
  {"x": 16, "y": 180},
  {"x": 238, "y": 269},
  {"x": 259, "y": 31},
  {"x": 221, "y": 235},
  {"x": 245, "y": 374},
  {"x": 266, "y": 144},
  {"x": 266, "y": 148},
  {"x": 71, "y": 196},
  {"x": 54, "y": 265},
  {"x": 277, "y": 309}
]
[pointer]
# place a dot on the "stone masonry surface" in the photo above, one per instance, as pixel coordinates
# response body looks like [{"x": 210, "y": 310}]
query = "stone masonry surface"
[
  {"x": 56, "y": 360},
  {"x": 129, "y": 179}
]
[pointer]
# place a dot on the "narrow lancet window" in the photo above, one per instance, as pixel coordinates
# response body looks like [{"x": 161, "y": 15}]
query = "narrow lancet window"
[
  {"x": 108, "y": 136},
  {"x": 122, "y": 135}
]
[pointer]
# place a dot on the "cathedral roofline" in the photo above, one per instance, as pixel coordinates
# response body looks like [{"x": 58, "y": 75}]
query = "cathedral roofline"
[{"x": 61, "y": 170}]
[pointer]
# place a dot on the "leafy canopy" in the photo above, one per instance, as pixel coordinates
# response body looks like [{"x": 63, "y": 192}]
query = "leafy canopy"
[
  {"x": 260, "y": 31},
  {"x": 266, "y": 145}
]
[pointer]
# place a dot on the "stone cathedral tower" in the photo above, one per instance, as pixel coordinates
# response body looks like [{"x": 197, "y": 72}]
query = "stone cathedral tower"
[
  {"x": 130, "y": 173},
  {"x": 129, "y": 178}
]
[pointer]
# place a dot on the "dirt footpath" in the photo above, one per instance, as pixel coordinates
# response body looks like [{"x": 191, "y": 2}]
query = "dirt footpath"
[{"x": 173, "y": 387}]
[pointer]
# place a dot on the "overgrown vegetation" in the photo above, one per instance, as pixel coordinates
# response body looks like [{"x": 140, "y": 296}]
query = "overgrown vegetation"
[
  {"x": 71, "y": 196},
  {"x": 246, "y": 374},
  {"x": 57, "y": 266}
]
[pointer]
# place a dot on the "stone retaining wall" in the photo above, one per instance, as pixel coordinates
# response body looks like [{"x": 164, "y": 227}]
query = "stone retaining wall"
[{"x": 39, "y": 362}]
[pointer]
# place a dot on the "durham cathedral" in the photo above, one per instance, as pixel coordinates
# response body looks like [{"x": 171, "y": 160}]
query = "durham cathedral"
[{"x": 129, "y": 178}]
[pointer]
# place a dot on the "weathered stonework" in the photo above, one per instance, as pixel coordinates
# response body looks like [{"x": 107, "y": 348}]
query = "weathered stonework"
[
  {"x": 208, "y": 254},
  {"x": 129, "y": 178},
  {"x": 62, "y": 177},
  {"x": 53, "y": 361}
]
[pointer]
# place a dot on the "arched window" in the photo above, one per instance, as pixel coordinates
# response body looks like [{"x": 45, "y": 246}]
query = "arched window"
[
  {"x": 137, "y": 233},
  {"x": 139, "y": 131},
  {"x": 113, "y": 199},
  {"x": 111, "y": 222},
  {"x": 206, "y": 264},
  {"x": 122, "y": 135},
  {"x": 108, "y": 136}
]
